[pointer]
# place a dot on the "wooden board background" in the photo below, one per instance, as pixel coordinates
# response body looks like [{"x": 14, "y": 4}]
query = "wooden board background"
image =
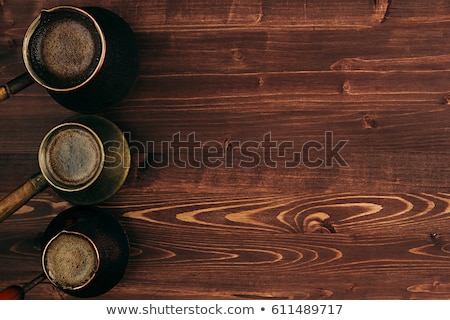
[{"x": 374, "y": 73}]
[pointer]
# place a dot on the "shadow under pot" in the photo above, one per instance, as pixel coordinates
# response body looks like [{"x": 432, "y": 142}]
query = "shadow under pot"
[
  {"x": 86, "y": 160},
  {"x": 85, "y": 251},
  {"x": 86, "y": 58}
]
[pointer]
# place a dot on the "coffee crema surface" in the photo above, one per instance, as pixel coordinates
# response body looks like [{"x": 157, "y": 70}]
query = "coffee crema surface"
[
  {"x": 70, "y": 260},
  {"x": 73, "y": 156},
  {"x": 68, "y": 49}
]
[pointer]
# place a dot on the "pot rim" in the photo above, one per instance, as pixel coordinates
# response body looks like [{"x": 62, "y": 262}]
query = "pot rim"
[
  {"x": 42, "y": 157},
  {"x": 97, "y": 257},
  {"x": 32, "y": 28},
  {"x": 112, "y": 177}
]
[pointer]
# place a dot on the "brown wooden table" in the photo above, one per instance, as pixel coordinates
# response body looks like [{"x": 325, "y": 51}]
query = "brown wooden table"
[{"x": 281, "y": 149}]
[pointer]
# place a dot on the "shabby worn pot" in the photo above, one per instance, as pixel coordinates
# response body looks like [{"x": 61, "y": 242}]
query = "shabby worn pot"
[
  {"x": 85, "y": 251},
  {"x": 85, "y": 160},
  {"x": 86, "y": 58}
]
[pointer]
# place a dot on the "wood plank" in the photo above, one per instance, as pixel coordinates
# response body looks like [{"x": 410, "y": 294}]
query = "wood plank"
[
  {"x": 374, "y": 73},
  {"x": 339, "y": 246}
]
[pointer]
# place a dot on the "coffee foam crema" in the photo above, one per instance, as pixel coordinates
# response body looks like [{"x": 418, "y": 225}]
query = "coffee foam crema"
[
  {"x": 72, "y": 157},
  {"x": 70, "y": 260},
  {"x": 67, "y": 49}
]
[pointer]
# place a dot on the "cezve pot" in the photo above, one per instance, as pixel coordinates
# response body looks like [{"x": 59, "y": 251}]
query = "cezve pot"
[
  {"x": 85, "y": 251},
  {"x": 86, "y": 58},
  {"x": 85, "y": 160}
]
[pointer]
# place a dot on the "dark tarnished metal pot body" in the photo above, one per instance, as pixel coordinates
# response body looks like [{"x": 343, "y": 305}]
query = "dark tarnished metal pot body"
[
  {"x": 85, "y": 251},
  {"x": 113, "y": 168},
  {"x": 99, "y": 69},
  {"x": 85, "y": 159}
]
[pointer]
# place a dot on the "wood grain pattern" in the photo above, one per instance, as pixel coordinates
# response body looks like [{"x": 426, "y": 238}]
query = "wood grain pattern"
[
  {"x": 374, "y": 73},
  {"x": 340, "y": 246}
]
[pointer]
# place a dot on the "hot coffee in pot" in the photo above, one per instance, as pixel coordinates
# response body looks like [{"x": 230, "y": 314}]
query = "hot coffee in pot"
[{"x": 65, "y": 49}]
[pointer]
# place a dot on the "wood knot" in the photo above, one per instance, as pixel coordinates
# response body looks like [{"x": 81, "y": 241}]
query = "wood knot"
[
  {"x": 447, "y": 99},
  {"x": 227, "y": 145},
  {"x": 346, "y": 87},
  {"x": 261, "y": 81},
  {"x": 381, "y": 10},
  {"x": 318, "y": 222},
  {"x": 370, "y": 122},
  {"x": 237, "y": 55},
  {"x": 437, "y": 239},
  {"x": 351, "y": 288}
]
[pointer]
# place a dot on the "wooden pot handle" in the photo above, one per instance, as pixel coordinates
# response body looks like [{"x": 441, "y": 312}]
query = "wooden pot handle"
[
  {"x": 15, "y": 85},
  {"x": 16, "y": 199}
]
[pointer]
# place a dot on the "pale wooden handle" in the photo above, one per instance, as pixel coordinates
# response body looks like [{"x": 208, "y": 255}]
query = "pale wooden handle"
[{"x": 16, "y": 199}]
